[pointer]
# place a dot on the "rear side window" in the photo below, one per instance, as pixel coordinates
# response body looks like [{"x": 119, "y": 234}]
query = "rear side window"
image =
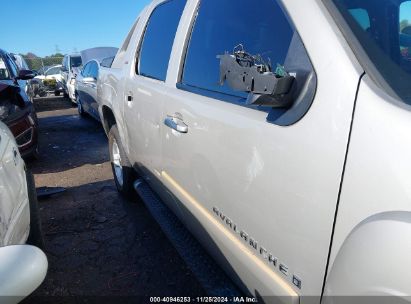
[
  {"x": 76, "y": 62},
  {"x": 86, "y": 70},
  {"x": 4, "y": 72},
  {"x": 405, "y": 30},
  {"x": 14, "y": 70},
  {"x": 94, "y": 70},
  {"x": 159, "y": 38},
  {"x": 64, "y": 63},
  {"x": 383, "y": 47},
  {"x": 260, "y": 28},
  {"x": 107, "y": 62}
]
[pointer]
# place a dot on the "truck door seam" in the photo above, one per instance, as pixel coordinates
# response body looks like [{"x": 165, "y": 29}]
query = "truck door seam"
[{"x": 341, "y": 184}]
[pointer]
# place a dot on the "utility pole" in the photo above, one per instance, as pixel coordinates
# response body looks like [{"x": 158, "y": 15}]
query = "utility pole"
[{"x": 58, "y": 51}]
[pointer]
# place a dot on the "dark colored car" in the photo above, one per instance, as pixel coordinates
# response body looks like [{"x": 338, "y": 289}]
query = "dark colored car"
[{"x": 16, "y": 110}]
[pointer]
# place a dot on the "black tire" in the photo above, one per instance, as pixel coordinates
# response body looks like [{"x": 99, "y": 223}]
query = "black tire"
[
  {"x": 34, "y": 155},
  {"x": 125, "y": 181},
  {"x": 57, "y": 93},
  {"x": 36, "y": 235}
]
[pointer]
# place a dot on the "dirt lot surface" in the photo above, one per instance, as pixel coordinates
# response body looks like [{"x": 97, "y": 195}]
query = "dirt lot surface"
[{"x": 97, "y": 243}]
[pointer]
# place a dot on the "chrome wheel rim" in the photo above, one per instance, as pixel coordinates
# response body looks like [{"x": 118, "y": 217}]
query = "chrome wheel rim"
[{"x": 118, "y": 169}]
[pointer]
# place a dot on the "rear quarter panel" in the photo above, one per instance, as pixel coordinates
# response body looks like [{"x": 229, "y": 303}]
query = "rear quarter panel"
[
  {"x": 111, "y": 82},
  {"x": 110, "y": 93},
  {"x": 372, "y": 244}
]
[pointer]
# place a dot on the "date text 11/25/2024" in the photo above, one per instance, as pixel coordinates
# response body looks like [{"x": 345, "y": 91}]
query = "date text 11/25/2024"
[{"x": 203, "y": 300}]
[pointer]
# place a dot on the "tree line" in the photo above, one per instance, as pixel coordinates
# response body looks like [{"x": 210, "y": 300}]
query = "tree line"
[{"x": 36, "y": 63}]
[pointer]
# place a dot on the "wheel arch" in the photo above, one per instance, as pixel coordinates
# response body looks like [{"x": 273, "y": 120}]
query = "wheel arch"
[
  {"x": 109, "y": 119},
  {"x": 372, "y": 259}
]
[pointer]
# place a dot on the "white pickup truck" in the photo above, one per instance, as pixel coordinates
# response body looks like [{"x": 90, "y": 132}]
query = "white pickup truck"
[{"x": 279, "y": 134}]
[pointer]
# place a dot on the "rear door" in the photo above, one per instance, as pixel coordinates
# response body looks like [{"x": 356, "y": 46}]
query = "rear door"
[
  {"x": 144, "y": 89},
  {"x": 259, "y": 185},
  {"x": 81, "y": 87},
  {"x": 92, "y": 89}
]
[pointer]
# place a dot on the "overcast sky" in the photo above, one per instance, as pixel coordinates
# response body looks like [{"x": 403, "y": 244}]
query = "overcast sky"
[{"x": 42, "y": 27}]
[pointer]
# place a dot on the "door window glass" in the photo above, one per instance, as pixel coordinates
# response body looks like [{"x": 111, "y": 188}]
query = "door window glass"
[
  {"x": 65, "y": 63},
  {"x": 53, "y": 71},
  {"x": 4, "y": 73},
  {"x": 14, "y": 70},
  {"x": 159, "y": 38},
  {"x": 75, "y": 61},
  {"x": 262, "y": 29},
  {"x": 93, "y": 70},
  {"x": 383, "y": 29},
  {"x": 86, "y": 70},
  {"x": 405, "y": 30},
  {"x": 361, "y": 16}
]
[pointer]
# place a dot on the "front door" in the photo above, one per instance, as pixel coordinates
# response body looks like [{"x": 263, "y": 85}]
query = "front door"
[{"x": 263, "y": 182}]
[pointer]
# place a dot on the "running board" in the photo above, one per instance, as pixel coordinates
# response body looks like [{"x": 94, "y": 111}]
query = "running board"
[{"x": 212, "y": 278}]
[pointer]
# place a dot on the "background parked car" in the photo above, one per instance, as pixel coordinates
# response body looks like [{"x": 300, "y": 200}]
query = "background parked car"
[
  {"x": 52, "y": 79},
  {"x": 52, "y": 72},
  {"x": 86, "y": 89},
  {"x": 19, "y": 224},
  {"x": 86, "y": 82},
  {"x": 71, "y": 64},
  {"x": 16, "y": 110}
]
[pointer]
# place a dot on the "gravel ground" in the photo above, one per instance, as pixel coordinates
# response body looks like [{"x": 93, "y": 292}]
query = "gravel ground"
[{"x": 97, "y": 243}]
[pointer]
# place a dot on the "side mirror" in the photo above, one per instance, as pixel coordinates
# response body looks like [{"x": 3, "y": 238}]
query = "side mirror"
[
  {"x": 250, "y": 73},
  {"x": 26, "y": 75},
  {"x": 22, "y": 270}
]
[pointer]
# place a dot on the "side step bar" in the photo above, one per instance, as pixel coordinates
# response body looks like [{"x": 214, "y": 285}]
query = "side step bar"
[{"x": 208, "y": 273}]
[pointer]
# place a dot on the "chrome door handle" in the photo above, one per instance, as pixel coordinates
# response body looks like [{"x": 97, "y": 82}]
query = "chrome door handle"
[
  {"x": 129, "y": 99},
  {"x": 176, "y": 123}
]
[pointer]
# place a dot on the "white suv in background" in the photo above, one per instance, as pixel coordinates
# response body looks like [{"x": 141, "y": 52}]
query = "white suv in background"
[{"x": 70, "y": 68}]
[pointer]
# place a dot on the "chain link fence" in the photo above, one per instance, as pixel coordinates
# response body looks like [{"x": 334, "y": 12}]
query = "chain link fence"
[{"x": 40, "y": 63}]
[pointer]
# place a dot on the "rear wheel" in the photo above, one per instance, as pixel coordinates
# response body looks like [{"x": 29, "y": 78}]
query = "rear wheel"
[
  {"x": 56, "y": 93},
  {"x": 36, "y": 235},
  {"x": 124, "y": 175}
]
